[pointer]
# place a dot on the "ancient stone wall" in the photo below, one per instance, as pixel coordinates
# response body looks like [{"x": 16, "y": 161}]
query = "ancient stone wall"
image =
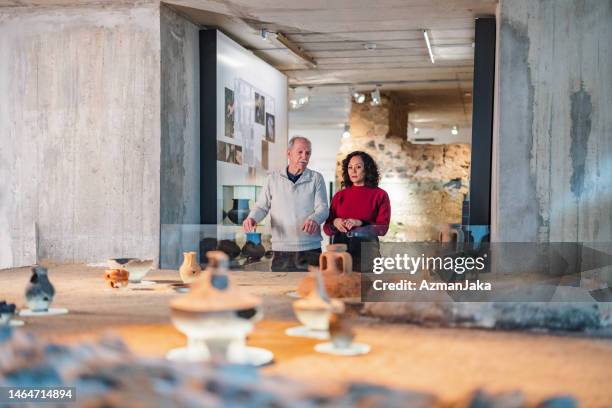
[{"x": 426, "y": 183}]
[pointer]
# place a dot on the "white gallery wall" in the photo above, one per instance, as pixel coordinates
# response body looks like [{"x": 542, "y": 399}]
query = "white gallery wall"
[
  {"x": 248, "y": 77},
  {"x": 80, "y": 133}
]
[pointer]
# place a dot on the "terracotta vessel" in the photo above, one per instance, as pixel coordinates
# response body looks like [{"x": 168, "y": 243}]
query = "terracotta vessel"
[
  {"x": 215, "y": 315},
  {"x": 39, "y": 292},
  {"x": 190, "y": 269},
  {"x": 336, "y": 268},
  {"x": 137, "y": 268},
  {"x": 116, "y": 278},
  {"x": 315, "y": 310}
]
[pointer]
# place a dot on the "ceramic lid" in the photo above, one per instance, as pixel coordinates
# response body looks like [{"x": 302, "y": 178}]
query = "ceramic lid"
[{"x": 213, "y": 291}]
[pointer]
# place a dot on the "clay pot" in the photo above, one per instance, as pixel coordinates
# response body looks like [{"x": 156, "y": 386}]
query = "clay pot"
[
  {"x": 137, "y": 268},
  {"x": 229, "y": 247},
  {"x": 215, "y": 315},
  {"x": 39, "y": 292},
  {"x": 116, "y": 278},
  {"x": 336, "y": 269},
  {"x": 240, "y": 210},
  {"x": 7, "y": 311},
  {"x": 315, "y": 310},
  {"x": 190, "y": 269},
  {"x": 253, "y": 252},
  {"x": 335, "y": 259}
]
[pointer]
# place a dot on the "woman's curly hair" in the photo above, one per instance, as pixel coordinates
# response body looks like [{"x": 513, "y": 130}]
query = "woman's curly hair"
[{"x": 371, "y": 169}]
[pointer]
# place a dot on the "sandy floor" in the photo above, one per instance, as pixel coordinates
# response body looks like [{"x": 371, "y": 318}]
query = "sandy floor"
[{"x": 447, "y": 362}]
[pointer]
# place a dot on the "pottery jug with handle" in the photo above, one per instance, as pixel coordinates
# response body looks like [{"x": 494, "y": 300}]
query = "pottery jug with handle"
[
  {"x": 190, "y": 269},
  {"x": 335, "y": 260}
]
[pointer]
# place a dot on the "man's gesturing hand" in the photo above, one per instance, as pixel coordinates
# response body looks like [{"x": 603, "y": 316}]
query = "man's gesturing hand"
[
  {"x": 310, "y": 226},
  {"x": 249, "y": 225}
]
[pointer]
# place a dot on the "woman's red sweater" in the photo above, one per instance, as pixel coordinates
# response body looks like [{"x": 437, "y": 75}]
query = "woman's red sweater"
[{"x": 370, "y": 205}]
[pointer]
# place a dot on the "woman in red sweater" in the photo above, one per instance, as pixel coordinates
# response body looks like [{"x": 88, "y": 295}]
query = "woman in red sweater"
[{"x": 361, "y": 211}]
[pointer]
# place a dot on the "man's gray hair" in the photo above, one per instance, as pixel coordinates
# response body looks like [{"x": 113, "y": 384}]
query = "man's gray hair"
[{"x": 302, "y": 138}]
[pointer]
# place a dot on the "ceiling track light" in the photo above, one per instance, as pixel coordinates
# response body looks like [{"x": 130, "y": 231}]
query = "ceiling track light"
[
  {"x": 359, "y": 97},
  {"x": 347, "y": 131},
  {"x": 376, "y": 100},
  {"x": 431, "y": 56},
  {"x": 454, "y": 131}
]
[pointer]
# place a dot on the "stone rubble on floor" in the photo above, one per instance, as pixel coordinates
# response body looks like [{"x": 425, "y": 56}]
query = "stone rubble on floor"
[{"x": 107, "y": 374}]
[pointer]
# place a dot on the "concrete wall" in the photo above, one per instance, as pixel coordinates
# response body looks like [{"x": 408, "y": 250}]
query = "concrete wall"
[
  {"x": 79, "y": 122},
  {"x": 553, "y": 153},
  {"x": 180, "y": 120}
]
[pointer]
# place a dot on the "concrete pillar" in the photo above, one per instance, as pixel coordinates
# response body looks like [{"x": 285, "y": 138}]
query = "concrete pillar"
[
  {"x": 80, "y": 132},
  {"x": 553, "y": 159}
]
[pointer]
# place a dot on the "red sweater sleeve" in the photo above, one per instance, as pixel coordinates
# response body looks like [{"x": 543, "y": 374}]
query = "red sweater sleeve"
[{"x": 383, "y": 218}]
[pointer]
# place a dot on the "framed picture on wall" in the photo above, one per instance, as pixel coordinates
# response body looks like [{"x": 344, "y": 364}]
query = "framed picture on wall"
[
  {"x": 270, "y": 127},
  {"x": 229, "y": 112},
  {"x": 260, "y": 108}
]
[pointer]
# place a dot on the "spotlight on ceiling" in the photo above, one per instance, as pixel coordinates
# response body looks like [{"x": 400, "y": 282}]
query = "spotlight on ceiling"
[
  {"x": 346, "y": 134},
  {"x": 359, "y": 97},
  {"x": 454, "y": 131},
  {"x": 416, "y": 130},
  {"x": 376, "y": 96},
  {"x": 369, "y": 46},
  {"x": 264, "y": 34}
]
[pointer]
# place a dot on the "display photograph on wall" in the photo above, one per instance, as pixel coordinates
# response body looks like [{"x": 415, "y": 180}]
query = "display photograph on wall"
[
  {"x": 264, "y": 154},
  {"x": 229, "y": 153},
  {"x": 270, "y": 127},
  {"x": 229, "y": 112},
  {"x": 260, "y": 108}
]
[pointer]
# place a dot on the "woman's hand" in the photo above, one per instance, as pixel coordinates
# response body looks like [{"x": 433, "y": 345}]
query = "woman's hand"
[
  {"x": 351, "y": 223},
  {"x": 339, "y": 224}
]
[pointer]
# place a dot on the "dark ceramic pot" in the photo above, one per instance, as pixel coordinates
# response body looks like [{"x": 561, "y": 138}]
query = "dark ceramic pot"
[
  {"x": 39, "y": 292},
  {"x": 240, "y": 210},
  {"x": 229, "y": 247},
  {"x": 253, "y": 252}
]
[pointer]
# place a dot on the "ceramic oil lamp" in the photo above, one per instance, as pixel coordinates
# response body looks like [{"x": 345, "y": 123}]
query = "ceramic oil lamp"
[
  {"x": 190, "y": 269},
  {"x": 315, "y": 310},
  {"x": 39, "y": 292},
  {"x": 116, "y": 278},
  {"x": 336, "y": 267},
  {"x": 215, "y": 315},
  {"x": 7, "y": 312},
  {"x": 137, "y": 268}
]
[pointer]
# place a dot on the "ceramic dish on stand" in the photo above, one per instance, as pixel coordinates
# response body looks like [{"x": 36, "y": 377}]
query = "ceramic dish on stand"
[
  {"x": 137, "y": 268},
  {"x": 216, "y": 317}
]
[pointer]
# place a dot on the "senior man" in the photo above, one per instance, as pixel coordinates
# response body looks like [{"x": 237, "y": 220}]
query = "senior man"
[{"x": 296, "y": 199}]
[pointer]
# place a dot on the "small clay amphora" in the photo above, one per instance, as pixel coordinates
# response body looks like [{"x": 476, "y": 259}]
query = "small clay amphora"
[
  {"x": 335, "y": 260},
  {"x": 190, "y": 269}
]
